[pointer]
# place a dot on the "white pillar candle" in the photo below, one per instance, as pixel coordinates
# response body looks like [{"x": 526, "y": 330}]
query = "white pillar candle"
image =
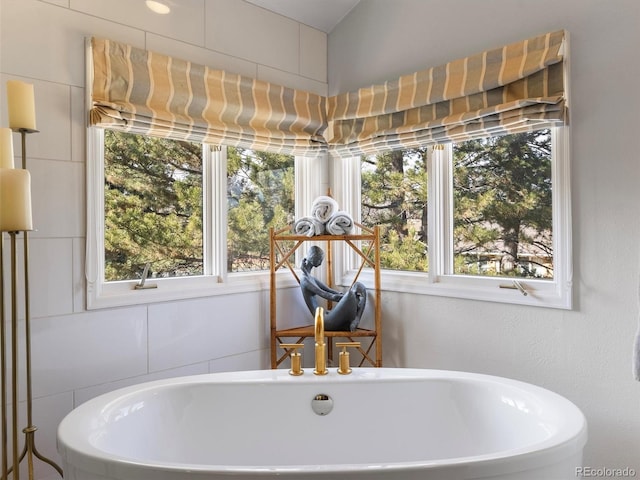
[
  {"x": 21, "y": 103},
  {"x": 6, "y": 148},
  {"x": 15, "y": 200}
]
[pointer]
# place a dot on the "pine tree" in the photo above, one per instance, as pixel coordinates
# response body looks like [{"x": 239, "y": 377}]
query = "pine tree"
[
  {"x": 260, "y": 195},
  {"x": 502, "y": 197},
  {"x": 502, "y": 205},
  {"x": 153, "y": 206}
]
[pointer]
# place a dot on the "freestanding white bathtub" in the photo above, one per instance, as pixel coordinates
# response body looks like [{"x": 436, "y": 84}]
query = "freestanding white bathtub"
[{"x": 384, "y": 423}]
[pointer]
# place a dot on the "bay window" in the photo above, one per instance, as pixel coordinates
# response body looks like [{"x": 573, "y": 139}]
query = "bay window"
[
  {"x": 189, "y": 215},
  {"x": 486, "y": 219},
  {"x": 464, "y": 165}
]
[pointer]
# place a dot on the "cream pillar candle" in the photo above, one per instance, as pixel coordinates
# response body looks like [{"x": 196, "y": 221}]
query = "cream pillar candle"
[
  {"x": 15, "y": 200},
  {"x": 6, "y": 148},
  {"x": 21, "y": 103}
]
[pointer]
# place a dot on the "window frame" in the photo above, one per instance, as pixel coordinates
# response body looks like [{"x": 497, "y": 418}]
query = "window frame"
[
  {"x": 440, "y": 279},
  {"x": 215, "y": 281}
]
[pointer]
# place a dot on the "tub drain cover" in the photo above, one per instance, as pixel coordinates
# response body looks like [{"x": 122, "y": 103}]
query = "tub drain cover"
[{"x": 322, "y": 404}]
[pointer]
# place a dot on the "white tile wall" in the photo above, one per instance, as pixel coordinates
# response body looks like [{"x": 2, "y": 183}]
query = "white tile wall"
[
  {"x": 61, "y": 3},
  {"x": 240, "y": 29},
  {"x": 193, "y": 331},
  {"x": 78, "y": 282},
  {"x": 185, "y": 22},
  {"x": 44, "y": 41},
  {"x": 76, "y": 354},
  {"x": 78, "y": 122},
  {"x": 52, "y": 104},
  {"x": 199, "y": 55},
  {"x": 92, "y": 348},
  {"x": 313, "y": 53},
  {"x": 51, "y": 276},
  {"x": 57, "y": 197},
  {"x": 257, "y": 359},
  {"x": 281, "y": 77}
]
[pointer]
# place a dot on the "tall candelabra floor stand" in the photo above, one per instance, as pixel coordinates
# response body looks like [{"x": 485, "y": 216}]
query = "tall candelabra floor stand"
[{"x": 29, "y": 451}]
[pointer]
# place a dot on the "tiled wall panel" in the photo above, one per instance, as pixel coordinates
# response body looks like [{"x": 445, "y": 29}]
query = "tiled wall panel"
[
  {"x": 51, "y": 276},
  {"x": 202, "y": 56},
  {"x": 77, "y": 351},
  {"x": 57, "y": 197},
  {"x": 46, "y": 42},
  {"x": 187, "y": 332},
  {"x": 185, "y": 22},
  {"x": 77, "y": 354},
  {"x": 242, "y": 30},
  {"x": 313, "y": 53}
]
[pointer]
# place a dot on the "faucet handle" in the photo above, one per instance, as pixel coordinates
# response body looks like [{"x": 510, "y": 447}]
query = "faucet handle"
[
  {"x": 344, "y": 368},
  {"x": 296, "y": 358}
]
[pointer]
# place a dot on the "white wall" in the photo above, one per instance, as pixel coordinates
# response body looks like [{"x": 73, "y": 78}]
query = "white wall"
[
  {"x": 584, "y": 354},
  {"x": 78, "y": 354}
]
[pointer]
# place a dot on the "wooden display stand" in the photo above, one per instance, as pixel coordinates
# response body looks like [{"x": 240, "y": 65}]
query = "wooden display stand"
[{"x": 283, "y": 245}]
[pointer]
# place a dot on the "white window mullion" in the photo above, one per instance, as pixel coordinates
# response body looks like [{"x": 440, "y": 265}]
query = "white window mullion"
[
  {"x": 561, "y": 200},
  {"x": 347, "y": 191},
  {"x": 440, "y": 206},
  {"x": 94, "y": 266},
  {"x": 215, "y": 211},
  {"x": 310, "y": 182},
  {"x": 447, "y": 200}
]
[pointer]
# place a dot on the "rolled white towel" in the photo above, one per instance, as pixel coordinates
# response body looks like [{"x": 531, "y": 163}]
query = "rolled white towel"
[
  {"x": 308, "y": 226},
  {"x": 323, "y": 207},
  {"x": 340, "y": 223}
]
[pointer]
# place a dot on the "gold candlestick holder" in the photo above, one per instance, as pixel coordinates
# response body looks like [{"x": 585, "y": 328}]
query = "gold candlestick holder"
[{"x": 29, "y": 452}]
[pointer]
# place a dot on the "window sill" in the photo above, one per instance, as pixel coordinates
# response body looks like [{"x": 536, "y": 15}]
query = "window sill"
[
  {"x": 540, "y": 293},
  {"x": 120, "y": 294}
]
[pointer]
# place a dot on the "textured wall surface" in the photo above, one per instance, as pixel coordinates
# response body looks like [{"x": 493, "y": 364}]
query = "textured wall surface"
[
  {"x": 584, "y": 354},
  {"x": 79, "y": 354}
]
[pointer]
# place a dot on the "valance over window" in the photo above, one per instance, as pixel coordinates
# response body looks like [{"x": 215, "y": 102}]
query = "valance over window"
[
  {"x": 140, "y": 91},
  {"x": 519, "y": 87},
  {"x": 514, "y": 88}
]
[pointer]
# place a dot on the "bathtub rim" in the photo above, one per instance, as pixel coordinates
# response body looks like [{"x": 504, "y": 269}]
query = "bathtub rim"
[{"x": 555, "y": 449}]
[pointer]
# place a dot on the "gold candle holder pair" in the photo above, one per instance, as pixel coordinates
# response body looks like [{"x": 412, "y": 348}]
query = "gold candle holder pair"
[{"x": 29, "y": 450}]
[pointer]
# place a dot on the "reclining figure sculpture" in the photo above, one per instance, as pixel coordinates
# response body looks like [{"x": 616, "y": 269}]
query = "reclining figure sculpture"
[{"x": 348, "y": 306}]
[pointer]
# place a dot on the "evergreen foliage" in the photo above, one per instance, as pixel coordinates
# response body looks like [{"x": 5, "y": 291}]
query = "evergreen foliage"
[
  {"x": 502, "y": 209},
  {"x": 502, "y": 205},
  {"x": 154, "y": 206},
  {"x": 260, "y": 190},
  {"x": 501, "y": 193}
]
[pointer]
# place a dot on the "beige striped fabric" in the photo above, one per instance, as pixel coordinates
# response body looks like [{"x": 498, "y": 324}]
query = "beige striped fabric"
[
  {"x": 515, "y": 88},
  {"x": 140, "y": 91}
]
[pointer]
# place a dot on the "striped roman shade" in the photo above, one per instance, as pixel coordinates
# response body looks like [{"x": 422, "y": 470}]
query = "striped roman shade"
[
  {"x": 140, "y": 91},
  {"x": 515, "y": 88}
]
